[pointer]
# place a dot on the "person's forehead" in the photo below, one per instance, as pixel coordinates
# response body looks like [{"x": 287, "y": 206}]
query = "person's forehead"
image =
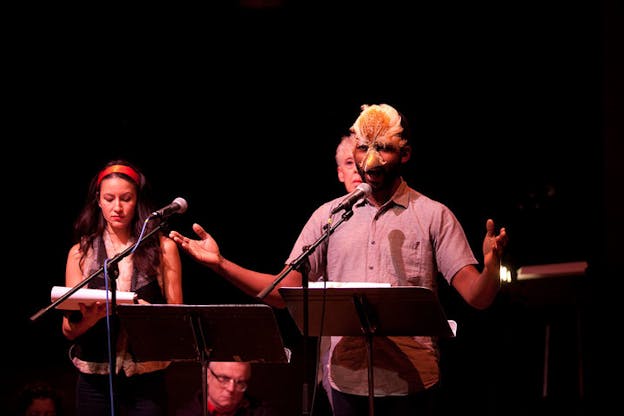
[
  {"x": 230, "y": 367},
  {"x": 345, "y": 154},
  {"x": 114, "y": 184}
]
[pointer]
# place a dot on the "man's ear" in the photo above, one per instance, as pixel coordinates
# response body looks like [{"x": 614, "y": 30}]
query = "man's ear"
[{"x": 406, "y": 153}]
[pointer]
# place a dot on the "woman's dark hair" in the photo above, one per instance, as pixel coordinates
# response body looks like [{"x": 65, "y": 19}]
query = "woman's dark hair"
[{"x": 91, "y": 224}]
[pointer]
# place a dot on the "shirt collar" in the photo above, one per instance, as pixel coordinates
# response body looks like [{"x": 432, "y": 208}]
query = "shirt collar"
[{"x": 400, "y": 196}]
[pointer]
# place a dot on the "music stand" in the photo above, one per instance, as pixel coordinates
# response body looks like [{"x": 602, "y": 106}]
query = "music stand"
[
  {"x": 366, "y": 311},
  {"x": 203, "y": 333}
]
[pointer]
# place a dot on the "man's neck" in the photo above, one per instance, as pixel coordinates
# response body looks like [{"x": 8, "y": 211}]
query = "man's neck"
[{"x": 214, "y": 411}]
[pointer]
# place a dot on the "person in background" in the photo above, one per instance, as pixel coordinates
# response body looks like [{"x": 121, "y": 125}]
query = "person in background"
[
  {"x": 39, "y": 399},
  {"x": 395, "y": 236},
  {"x": 112, "y": 220},
  {"x": 227, "y": 393},
  {"x": 345, "y": 164}
]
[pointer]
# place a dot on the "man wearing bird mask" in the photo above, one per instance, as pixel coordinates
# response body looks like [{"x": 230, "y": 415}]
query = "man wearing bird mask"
[{"x": 394, "y": 236}]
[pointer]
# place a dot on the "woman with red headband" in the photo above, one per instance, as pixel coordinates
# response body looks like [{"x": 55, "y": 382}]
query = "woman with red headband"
[{"x": 111, "y": 221}]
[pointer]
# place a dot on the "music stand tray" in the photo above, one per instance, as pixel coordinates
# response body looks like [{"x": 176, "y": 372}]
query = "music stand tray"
[
  {"x": 203, "y": 333},
  {"x": 394, "y": 311},
  {"x": 170, "y": 332},
  {"x": 368, "y": 312}
]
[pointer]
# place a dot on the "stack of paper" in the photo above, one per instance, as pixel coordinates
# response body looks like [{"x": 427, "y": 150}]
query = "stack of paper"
[{"x": 88, "y": 296}]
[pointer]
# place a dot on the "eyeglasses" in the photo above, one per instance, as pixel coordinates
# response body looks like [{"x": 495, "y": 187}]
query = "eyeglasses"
[{"x": 240, "y": 385}]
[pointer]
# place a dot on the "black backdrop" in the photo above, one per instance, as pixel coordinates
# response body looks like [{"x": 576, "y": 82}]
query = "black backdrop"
[{"x": 239, "y": 112}]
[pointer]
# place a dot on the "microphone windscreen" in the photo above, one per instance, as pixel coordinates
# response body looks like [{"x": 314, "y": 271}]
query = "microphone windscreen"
[{"x": 182, "y": 203}]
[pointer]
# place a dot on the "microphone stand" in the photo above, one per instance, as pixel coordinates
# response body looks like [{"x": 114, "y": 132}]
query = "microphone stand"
[
  {"x": 111, "y": 262},
  {"x": 302, "y": 265},
  {"x": 112, "y": 269}
]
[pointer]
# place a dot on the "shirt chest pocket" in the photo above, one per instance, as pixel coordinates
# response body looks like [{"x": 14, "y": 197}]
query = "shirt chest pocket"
[{"x": 407, "y": 259}]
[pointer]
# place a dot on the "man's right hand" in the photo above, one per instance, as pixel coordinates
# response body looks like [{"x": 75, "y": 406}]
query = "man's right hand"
[{"x": 205, "y": 250}]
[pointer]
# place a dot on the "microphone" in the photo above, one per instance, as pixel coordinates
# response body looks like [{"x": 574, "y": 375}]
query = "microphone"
[
  {"x": 178, "y": 205},
  {"x": 362, "y": 191}
]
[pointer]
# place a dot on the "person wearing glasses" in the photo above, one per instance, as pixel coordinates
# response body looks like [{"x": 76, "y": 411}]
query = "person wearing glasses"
[{"x": 227, "y": 393}]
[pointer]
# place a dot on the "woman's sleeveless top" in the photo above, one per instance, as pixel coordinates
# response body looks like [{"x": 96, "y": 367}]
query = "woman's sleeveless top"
[{"x": 89, "y": 352}]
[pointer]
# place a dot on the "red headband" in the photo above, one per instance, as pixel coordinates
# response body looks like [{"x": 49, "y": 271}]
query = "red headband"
[{"x": 126, "y": 170}]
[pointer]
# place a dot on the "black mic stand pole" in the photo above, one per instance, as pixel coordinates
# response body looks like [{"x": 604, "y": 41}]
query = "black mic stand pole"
[{"x": 302, "y": 265}]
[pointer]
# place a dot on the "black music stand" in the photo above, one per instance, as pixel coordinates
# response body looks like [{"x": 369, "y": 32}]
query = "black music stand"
[
  {"x": 551, "y": 286},
  {"x": 366, "y": 311},
  {"x": 203, "y": 333}
]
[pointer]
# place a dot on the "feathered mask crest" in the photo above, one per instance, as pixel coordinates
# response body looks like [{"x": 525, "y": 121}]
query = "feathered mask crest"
[{"x": 377, "y": 122}]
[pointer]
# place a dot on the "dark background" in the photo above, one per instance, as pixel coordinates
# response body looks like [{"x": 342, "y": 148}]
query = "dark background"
[{"x": 516, "y": 112}]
